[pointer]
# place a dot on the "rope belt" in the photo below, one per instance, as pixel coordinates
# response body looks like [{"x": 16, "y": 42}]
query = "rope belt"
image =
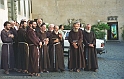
[
  {"x": 8, "y": 53},
  {"x": 55, "y": 52}
]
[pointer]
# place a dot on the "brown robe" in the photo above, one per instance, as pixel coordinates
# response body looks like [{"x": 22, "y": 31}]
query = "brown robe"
[
  {"x": 33, "y": 42},
  {"x": 56, "y": 56},
  {"x": 7, "y": 54},
  {"x": 44, "y": 54},
  {"x": 23, "y": 54},
  {"x": 89, "y": 52},
  {"x": 48, "y": 33},
  {"x": 76, "y": 55},
  {"x": 15, "y": 45}
]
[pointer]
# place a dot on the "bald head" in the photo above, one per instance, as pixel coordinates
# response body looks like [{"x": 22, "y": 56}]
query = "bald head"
[{"x": 51, "y": 27}]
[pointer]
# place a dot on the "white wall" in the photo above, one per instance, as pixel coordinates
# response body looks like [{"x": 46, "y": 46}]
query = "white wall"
[
  {"x": 3, "y": 16},
  {"x": 21, "y": 15}
]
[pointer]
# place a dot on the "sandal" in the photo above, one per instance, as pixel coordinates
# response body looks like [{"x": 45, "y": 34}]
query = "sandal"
[
  {"x": 36, "y": 74},
  {"x": 25, "y": 71},
  {"x": 78, "y": 70},
  {"x": 71, "y": 70},
  {"x": 7, "y": 72}
]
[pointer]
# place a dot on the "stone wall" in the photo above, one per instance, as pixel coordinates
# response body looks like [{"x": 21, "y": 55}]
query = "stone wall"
[{"x": 58, "y": 11}]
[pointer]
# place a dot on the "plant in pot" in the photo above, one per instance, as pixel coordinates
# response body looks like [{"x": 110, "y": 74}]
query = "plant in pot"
[{"x": 99, "y": 29}]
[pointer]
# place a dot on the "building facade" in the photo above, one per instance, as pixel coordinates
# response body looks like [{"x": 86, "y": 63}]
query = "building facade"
[
  {"x": 88, "y": 11},
  {"x": 14, "y": 10}
]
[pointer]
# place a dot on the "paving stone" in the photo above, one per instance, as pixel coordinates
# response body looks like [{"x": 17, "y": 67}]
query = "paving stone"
[{"x": 111, "y": 66}]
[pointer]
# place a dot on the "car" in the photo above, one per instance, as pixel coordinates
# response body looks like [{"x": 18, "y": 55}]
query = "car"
[{"x": 100, "y": 44}]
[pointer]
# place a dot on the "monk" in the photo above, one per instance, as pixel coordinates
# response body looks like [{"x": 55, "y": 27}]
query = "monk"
[
  {"x": 56, "y": 52},
  {"x": 34, "y": 42},
  {"x": 7, "y": 54},
  {"x": 23, "y": 54},
  {"x": 76, "y": 55},
  {"x": 89, "y": 41},
  {"x": 44, "y": 54}
]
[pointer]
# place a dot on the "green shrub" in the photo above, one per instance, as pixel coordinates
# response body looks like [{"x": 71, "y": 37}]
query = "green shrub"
[
  {"x": 99, "y": 30},
  {"x": 122, "y": 28},
  {"x": 67, "y": 27}
]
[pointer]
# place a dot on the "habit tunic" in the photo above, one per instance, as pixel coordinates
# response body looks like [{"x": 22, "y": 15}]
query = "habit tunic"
[
  {"x": 7, "y": 54},
  {"x": 48, "y": 35},
  {"x": 56, "y": 53},
  {"x": 90, "y": 52},
  {"x": 15, "y": 45},
  {"x": 33, "y": 42},
  {"x": 76, "y": 55},
  {"x": 44, "y": 54},
  {"x": 23, "y": 54}
]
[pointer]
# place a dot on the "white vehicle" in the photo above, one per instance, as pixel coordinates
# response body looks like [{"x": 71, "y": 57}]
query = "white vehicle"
[{"x": 99, "y": 43}]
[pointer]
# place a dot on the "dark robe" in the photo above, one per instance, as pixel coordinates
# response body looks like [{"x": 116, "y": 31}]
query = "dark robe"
[
  {"x": 37, "y": 29},
  {"x": 22, "y": 50},
  {"x": 56, "y": 56},
  {"x": 90, "y": 52},
  {"x": 15, "y": 45},
  {"x": 33, "y": 42},
  {"x": 44, "y": 54},
  {"x": 49, "y": 33},
  {"x": 7, "y": 54},
  {"x": 76, "y": 55}
]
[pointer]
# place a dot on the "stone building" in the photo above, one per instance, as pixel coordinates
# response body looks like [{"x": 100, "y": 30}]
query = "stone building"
[
  {"x": 88, "y": 11},
  {"x": 14, "y": 10}
]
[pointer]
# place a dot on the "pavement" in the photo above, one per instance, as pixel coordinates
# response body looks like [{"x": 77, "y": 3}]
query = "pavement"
[{"x": 111, "y": 66}]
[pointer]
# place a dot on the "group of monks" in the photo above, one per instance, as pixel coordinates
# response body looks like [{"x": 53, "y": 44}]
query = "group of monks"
[{"x": 31, "y": 48}]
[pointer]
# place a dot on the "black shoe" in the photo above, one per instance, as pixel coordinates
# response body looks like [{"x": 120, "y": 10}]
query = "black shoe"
[
  {"x": 85, "y": 69},
  {"x": 62, "y": 70}
]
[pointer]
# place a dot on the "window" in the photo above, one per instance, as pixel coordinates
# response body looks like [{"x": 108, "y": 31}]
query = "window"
[
  {"x": 19, "y": 8},
  {"x": 24, "y": 9},
  {"x": 2, "y": 4},
  {"x": 12, "y": 10},
  {"x": 29, "y": 7}
]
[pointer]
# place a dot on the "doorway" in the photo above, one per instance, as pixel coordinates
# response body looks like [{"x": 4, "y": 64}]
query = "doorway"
[{"x": 113, "y": 31}]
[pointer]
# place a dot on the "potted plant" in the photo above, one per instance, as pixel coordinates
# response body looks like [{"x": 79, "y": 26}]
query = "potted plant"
[{"x": 99, "y": 30}]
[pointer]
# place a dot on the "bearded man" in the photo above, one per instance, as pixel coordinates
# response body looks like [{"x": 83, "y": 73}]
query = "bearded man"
[
  {"x": 33, "y": 42},
  {"x": 76, "y": 56},
  {"x": 7, "y": 54}
]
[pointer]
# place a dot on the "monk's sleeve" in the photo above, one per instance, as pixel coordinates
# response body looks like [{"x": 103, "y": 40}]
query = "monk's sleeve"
[
  {"x": 33, "y": 38},
  {"x": 80, "y": 40},
  {"x": 70, "y": 40},
  {"x": 94, "y": 40},
  {"x": 5, "y": 38},
  {"x": 85, "y": 41}
]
